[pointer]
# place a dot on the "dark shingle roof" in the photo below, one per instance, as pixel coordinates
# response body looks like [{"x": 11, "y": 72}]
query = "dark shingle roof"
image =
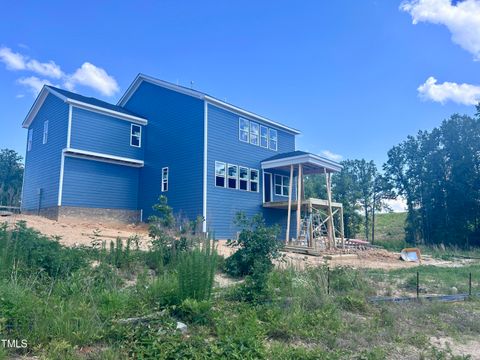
[
  {"x": 92, "y": 101},
  {"x": 287, "y": 155}
]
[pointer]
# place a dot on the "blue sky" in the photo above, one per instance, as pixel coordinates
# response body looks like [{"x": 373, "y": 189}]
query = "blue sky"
[{"x": 346, "y": 73}]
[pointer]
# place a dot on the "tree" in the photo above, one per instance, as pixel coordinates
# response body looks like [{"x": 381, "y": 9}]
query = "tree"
[{"x": 11, "y": 177}]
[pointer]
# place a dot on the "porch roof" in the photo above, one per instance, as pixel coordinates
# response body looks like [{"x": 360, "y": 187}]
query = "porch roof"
[{"x": 311, "y": 163}]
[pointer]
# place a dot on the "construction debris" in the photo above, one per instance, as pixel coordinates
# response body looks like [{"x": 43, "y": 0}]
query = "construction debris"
[{"x": 411, "y": 254}]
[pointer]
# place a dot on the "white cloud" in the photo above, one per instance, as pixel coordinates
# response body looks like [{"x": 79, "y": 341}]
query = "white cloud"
[
  {"x": 466, "y": 94},
  {"x": 33, "y": 83},
  {"x": 397, "y": 205},
  {"x": 49, "y": 69},
  {"x": 87, "y": 75},
  {"x": 94, "y": 77},
  {"x": 13, "y": 61},
  {"x": 462, "y": 19},
  {"x": 332, "y": 156}
]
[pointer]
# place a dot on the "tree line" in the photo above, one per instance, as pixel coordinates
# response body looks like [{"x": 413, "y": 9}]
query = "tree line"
[
  {"x": 437, "y": 172},
  {"x": 11, "y": 177}
]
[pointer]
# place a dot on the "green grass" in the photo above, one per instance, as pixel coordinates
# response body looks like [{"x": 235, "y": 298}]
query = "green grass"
[
  {"x": 122, "y": 308},
  {"x": 389, "y": 231}
]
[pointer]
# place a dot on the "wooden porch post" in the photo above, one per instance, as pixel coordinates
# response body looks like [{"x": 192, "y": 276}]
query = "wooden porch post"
[
  {"x": 299, "y": 198},
  {"x": 331, "y": 230},
  {"x": 342, "y": 228},
  {"x": 289, "y": 210}
]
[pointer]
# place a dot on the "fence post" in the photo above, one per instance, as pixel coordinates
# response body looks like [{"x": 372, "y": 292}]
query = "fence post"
[
  {"x": 470, "y": 284},
  {"x": 418, "y": 285},
  {"x": 328, "y": 280}
]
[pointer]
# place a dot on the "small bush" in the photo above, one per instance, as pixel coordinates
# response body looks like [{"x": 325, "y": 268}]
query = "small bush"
[{"x": 193, "y": 311}]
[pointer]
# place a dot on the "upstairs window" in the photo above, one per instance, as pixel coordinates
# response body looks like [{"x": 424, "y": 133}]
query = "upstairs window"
[
  {"x": 273, "y": 139},
  {"x": 243, "y": 178},
  {"x": 243, "y": 130},
  {"x": 136, "y": 135},
  {"x": 254, "y": 180},
  {"x": 254, "y": 133},
  {"x": 45, "y": 132},
  {"x": 220, "y": 172},
  {"x": 164, "y": 179},
  {"x": 282, "y": 184},
  {"x": 263, "y": 136},
  {"x": 30, "y": 140},
  {"x": 232, "y": 176}
]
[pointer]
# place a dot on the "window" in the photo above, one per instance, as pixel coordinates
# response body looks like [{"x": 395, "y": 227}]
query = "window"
[
  {"x": 136, "y": 135},
  {"x": 243, "y": 178},
  {"x": 30, "y": 140},
  {"x": 243, "y": 128},
  {"x": 273, "y": 139},
  {"x": 263, "y": 136},
  {"x": 254, "y": 180},
  {"x": 220, "y": 172},
  {"x": 254, "y": 133},
  {"x": 45, "y": 132},
  {"x": 164, "y": 179},
  {"x": 282, "y": 184},
  {"x": 232, "y": 176}
]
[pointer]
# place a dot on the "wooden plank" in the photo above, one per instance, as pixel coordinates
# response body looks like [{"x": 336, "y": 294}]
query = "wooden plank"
[
  {"x": 289, "y": 206},
  {"x": 299, "y": 198}
]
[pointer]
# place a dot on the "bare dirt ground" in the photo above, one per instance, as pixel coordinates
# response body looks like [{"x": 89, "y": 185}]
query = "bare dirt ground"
[{"x": 75, "y": 233}]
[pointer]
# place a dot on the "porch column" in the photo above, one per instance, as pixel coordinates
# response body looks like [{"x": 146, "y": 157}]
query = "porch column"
[
  {"x": 289, "y": 210},
  {"x": 299, "y": 198},
  {"x": 342, "y": 228},
  {"x": 330, "y": 226}
]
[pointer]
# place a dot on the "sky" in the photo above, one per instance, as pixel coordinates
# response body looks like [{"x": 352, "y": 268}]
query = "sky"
[{"x": 356, "y": 77}]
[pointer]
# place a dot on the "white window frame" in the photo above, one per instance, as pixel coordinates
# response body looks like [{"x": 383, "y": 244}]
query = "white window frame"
[
  {"x": 45, "y": 132},
  {"x": 30, "y": 139},
  {"x": 265, "y": 137},
  {"x": 165, "y": 179},
  {"x": 232, "y": 177},
  {"x": 253, "y": 135},
  {"x": 284, "y": 178},
  {"x": 139, "y": 135},
  {"x": 269, "y": 139},
  {"x": 224, "y": 176},
  {"x": 256, "y": 182},
  {"x": 247, "y": 179},
  {"x": 240, "y": 130}
]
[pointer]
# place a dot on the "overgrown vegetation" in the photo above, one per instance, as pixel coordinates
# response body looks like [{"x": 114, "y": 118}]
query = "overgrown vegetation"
[{"x": 11, "y": 177}]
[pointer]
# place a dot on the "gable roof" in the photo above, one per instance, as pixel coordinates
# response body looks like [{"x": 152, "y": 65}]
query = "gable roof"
[
  {"x": 199, "y": 95},
  {"x": 312, "y": 163},
  {"x": 81, "y": 101}
]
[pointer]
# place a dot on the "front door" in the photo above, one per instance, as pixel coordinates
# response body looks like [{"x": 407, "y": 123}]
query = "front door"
[{"x": 267, "y": 187}]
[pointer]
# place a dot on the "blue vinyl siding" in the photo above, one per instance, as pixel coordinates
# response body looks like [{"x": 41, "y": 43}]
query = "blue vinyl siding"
[
  {"x": 42, "y": 162},
  {"x": 104, "y": 134},
  {"x": 224, "y": 145},
  {"x": 173, "y": 139},
  {"x": 95, "y": 184}
]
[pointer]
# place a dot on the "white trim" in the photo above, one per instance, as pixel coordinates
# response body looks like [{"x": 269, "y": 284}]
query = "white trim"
[
  {"x": 131, "y": 135},
  {"x": 205, "y": 165},
  {"x": 248, "y": 177},
  {"x": 282, "y": 186},
  {"x": 164, "y": 181},
  {"x": 232, "y": 177},
  {"x": 103, "y": 157},
  {"x": 199, "y": 95},
  {"x": 256, "y": 182},
  {"x": 225, "y": 176},
  {"x": 105, "y": 111},
  {"x": 46, "y": 90},
  {"x": 302, "y": 159},
  {"x": 60, "y": 181},
  {"x": 69, "y": 131}
]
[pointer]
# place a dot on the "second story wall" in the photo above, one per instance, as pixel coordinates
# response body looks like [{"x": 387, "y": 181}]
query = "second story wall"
[
  {"x": 92, "y": 131},
  {"x": 43, "y": 156},
  {"x": 173, "y": 139},
  {"x": 224, "y": 145}
]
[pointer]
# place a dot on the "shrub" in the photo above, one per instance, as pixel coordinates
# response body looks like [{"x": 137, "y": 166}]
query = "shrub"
[
  {"x": 196, "y": 271},
  {"x": 193, "y": 311}
]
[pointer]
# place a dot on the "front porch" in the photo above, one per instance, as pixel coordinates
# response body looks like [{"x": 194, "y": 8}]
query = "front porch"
[{"x": 319, "y": 222}]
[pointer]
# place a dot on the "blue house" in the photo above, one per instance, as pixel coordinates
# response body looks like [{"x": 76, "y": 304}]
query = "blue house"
[{"x": 87, "y": 158}]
